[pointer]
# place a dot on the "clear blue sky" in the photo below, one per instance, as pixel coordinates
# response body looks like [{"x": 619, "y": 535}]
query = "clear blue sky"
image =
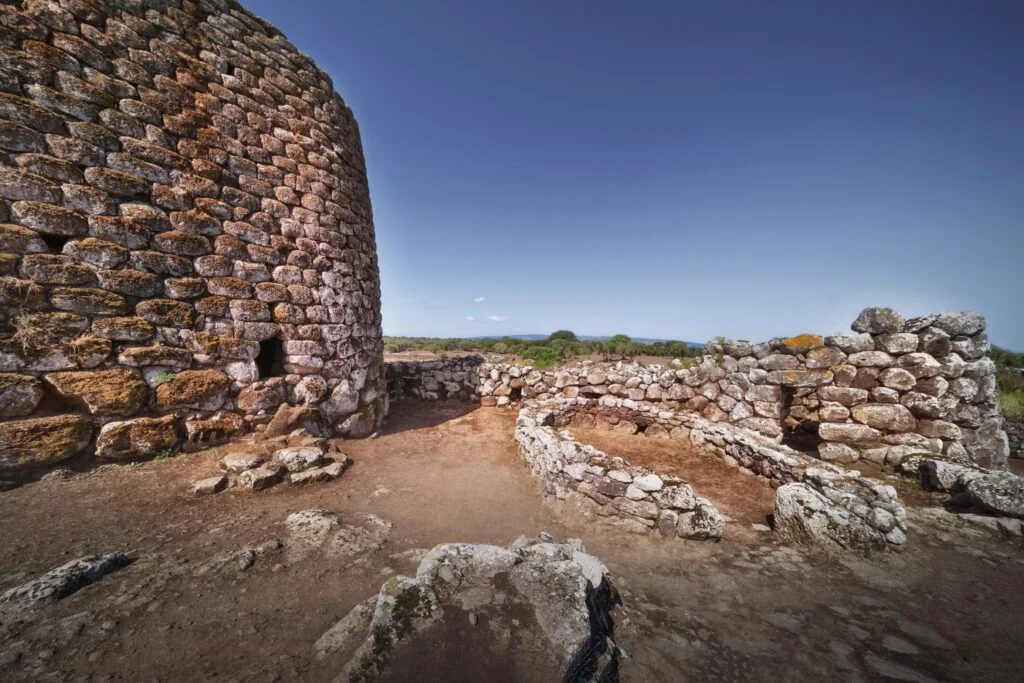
[{"x": 683, "y": 169}]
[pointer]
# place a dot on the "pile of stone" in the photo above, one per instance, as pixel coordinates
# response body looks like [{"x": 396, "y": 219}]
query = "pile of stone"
[
  {"x": 628, "y": 497},
  {"x": 535, "y": 610},
  {"x": 301, "y": 459}
]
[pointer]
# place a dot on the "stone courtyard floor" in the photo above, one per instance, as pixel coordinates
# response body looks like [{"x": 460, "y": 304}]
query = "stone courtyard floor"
[{"x": 220, "y": 591}]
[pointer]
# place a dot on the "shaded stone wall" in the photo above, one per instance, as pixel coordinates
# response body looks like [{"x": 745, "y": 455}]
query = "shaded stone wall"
[
  {"x": 894, "y": 388},
  {"x": 185, "y": 232}
]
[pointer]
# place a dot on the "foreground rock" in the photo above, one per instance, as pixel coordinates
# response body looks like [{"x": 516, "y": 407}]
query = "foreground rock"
[
  {"x": 805, "y": 514},
  {"x": 63, "y": 581},
  {"x": 533, "y": 607}
]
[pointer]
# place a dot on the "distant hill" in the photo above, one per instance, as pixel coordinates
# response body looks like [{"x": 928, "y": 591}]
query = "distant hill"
[{"x": 584, "y": 337}]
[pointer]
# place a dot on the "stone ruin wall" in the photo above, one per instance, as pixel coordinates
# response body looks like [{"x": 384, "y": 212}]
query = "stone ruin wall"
[
  {"x": 186, "y": 238},
  {"x": 893, "y": 388}
]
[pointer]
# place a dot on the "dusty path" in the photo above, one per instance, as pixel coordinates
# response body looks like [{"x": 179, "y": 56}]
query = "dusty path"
[{"x": 948, "y": 608}]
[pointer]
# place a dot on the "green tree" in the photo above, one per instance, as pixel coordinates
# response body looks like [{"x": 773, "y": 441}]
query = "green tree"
[{"x": 565, "y": 335}]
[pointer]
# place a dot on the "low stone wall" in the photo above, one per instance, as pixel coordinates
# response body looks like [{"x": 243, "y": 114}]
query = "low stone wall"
[
  {"x": 632, "y": 498},
  {"x": 434, "y": 380},
  {"x": 861, "y": 512},
  {"x": 895, "y": 388}
]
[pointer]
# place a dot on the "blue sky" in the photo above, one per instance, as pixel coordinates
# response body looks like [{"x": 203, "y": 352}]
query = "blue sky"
[{"x": 683, "y": 169}]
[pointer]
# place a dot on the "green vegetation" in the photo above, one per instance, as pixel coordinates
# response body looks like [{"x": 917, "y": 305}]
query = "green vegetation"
[
  {"x": 559, "y": 347},
  {"x": 1010, "y": 382},
  {"x": 164, "y": 377}
]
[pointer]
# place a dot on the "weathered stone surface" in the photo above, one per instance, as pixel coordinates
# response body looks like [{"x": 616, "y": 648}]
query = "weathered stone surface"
[
  {"x": 898, "y": 343},
  {"x": 210, "y": 485},
  {"x": 194, "y": 389},
  {"x": 847, "y": 396},
  {"x": 878, "y": 321},
  {"x": 103, "y": 393},
  {"x": 920, "y": 365},
  {"x": 803, "y": 514},
  {"x": 1000, "y": 493},
  {"x": 887, "y": 417},
  {"x": 299, "y": 458},
  {"x": 964, "y": 323},
  {"x": 850, "y": 344},
  {"x": 139, "y": 438},
  {"x": 240, "y": 461},
  {"x": 800, "y": 378},
  {"x": 42, "y": 441},
  {"x": 871, "y": 359},
  {"x": 205, "y": 432},
  {"x": 19, "y": 394},
  {"x": 704, "y": 522},
  {"x": 824, "y": 357},
  {"x": 850, "y": 433},
  {"x": 262, "y": 477},
  {"x": 61, "y": 582}
]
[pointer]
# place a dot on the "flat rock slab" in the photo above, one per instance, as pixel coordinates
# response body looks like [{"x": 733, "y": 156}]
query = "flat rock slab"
[
  {"x": 299, "y": 458},
  {"x": 262, "y": 477},
  {"x": 240, "y": 462},
  {"x": 63, "y": 581},
  {"x": 210, "y": 485}
]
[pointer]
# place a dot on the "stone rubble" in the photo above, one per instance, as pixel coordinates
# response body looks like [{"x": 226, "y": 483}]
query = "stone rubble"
[{"x": 62, "y": 581}]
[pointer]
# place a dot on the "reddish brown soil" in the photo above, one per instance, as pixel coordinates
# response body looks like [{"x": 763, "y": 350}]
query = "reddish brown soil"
[
  {"x": 748, "y": 608},
  {"x": 743, "y": 498}
]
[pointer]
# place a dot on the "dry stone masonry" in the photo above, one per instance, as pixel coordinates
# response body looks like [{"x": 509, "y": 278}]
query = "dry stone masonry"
[
  {"x": 186, "y": 238},
  {"x": 894, "y": 388}
]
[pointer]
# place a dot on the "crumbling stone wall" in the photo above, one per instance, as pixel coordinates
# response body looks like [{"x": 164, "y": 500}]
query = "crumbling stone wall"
[
  {"x": 894, "y": 388},
  {"x": 185, "y": 232}
]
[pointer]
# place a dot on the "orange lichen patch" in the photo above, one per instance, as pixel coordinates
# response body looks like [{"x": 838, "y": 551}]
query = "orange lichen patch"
[
  {"x": 201, "y": 389},
  {"x": 803, "y": 342}
]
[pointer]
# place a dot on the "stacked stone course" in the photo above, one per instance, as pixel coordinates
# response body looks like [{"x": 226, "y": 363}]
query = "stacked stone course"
[
  {"x": 177, "y": 185},
  {"x": 892, "y": 389}
]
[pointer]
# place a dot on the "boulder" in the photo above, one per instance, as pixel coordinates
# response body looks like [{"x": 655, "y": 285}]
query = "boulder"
[
  {"x": 964, "y": 323},
  {"x": 859, "y": 434},
  {"x": 871, "y": 359},
  {"x": 885, "y": 416},
  {"x": 240, "y": 461},
  {"x": 878, "y": 321},
  {"x": 851, "y": 343},
  {"x": 800, "y": 378},
  {"x": 920, "y": 365},
  {"x": 262, "y": 477},
  {"x": 210, "y": 485},
  {"x": 138, "y": 438},
  {"x": 195, "y": 390},
  {"x": 19, "y": 394},
  {"x": 61, "y": 582},
  {"x": 266, "y": 395},
  {"x": 42, "y": 441},
  {"x": 704, "y": 522},
  {"x": 553, "y": 597},
  {"x": 205, "y": 432},
  {"x": 803, "y": 514},
  {"x": 299, "y": 458},
  {"x": 1000, "y": 493},
  {"x": 898, "y": 343},
  {"x": 288, "y": 418},
  {"x": 824, "y": 357},
  {"x": 105, "y": 393}
]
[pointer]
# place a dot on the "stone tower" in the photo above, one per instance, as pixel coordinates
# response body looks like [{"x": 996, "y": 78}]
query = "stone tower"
[{"x": 186, "y": 239}]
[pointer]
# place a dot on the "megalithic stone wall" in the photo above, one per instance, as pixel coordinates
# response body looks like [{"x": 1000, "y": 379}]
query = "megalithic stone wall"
[
  {"x": 893, "y": 389},
  {"x": 186, "y": 238}
]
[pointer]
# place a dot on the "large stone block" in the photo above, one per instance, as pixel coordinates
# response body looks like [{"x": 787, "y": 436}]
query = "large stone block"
[
  {"x": 193, "y": 389},
  {"x": 42, "y": 441},
  {"x": 139, "y": 438},
  {"x": 19, "y": 394},
  {"x": 103, "y": 393}
]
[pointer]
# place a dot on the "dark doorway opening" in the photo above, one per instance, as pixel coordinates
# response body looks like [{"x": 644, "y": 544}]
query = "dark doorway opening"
[
  {"x": 270, "y": 360},
  {"x": 800, "y": 420},
  {"x": 515, "y": 396},
  {"x": 55, "y": 243}
]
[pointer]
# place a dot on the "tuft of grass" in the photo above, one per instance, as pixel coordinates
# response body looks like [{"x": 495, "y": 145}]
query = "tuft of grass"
[
  {"x": 131, "y": 465},
  {"x": 164, "y": 377},
  {"x": 162, "y": 454}
]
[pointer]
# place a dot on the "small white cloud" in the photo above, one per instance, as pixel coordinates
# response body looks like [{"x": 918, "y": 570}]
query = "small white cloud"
[
  {"x": 479, "y": 300},
  {"x": 470, "y": 317},
  {"x": 497, "y": 318}
]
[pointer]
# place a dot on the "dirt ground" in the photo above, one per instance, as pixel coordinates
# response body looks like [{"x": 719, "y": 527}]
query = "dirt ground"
[
  {"x": 739, "y": 497},
  {"x": 748, "y": 608}
]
